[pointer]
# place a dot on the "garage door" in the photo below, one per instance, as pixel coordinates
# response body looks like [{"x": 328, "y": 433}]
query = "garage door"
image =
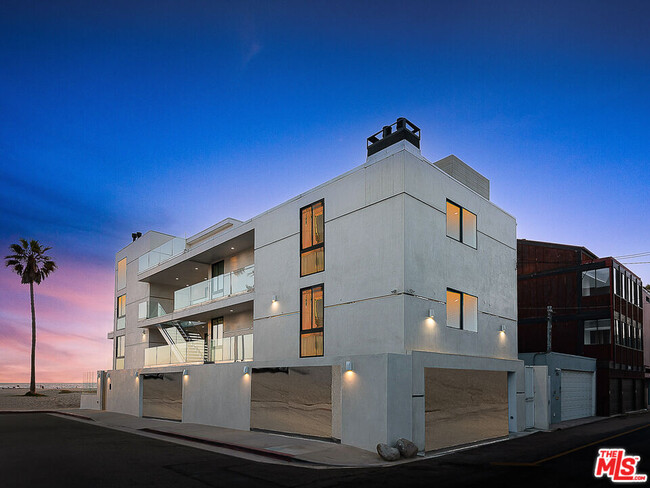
[
  {"x": 577, "y": 394},
  {"x": 464, "y": 406},
  {"x": 162, "y": 396},
  {"x": 293, "y": 400}
]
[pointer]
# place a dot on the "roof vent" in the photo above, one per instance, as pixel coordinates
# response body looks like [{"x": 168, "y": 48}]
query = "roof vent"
[{"x": 390, "y": 134}]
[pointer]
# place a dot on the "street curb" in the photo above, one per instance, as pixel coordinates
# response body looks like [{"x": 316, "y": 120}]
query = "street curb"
[
  {"x": 57, "y": 412},
  {"x": 233, "y": 446}
]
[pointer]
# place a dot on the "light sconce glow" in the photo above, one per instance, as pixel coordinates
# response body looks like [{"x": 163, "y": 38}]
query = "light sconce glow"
[
  {"x": 349, "y": 367},
  {"x": 502, "y": 329},
  {"x": 186, "y": 372},
  {"x": 274, "y": 298},
  {"x": 137, "y": 375},
  {"x": 432, "y": 314},
  {"x": 108, "y": 375},
  {"x": 247, "y": 369}
]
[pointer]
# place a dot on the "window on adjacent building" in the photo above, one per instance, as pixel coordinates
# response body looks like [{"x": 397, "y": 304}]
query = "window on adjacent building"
[
  {"x": 312, "y": 238},
  {"x": 462, "y": 311},
  {"x": 311, "y": 321},
  {"x": 597, "y": 331},
  {"x": 121, "y": 273},
  {"x": 119, "y": 352},
  {"x": 461, "y": 224},
  {"x": 595, "y": 282},
  {"x": 121, "y": 312}
]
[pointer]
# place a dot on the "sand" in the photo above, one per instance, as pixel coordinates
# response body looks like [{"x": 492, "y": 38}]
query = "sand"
[{"x": 14, "y": 399}]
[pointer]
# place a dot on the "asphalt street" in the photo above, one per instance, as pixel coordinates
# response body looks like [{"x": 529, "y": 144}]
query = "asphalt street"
[{"x": 46, "y": 450}]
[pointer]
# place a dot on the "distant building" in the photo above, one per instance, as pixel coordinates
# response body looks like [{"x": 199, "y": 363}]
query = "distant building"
[
  {"x": 378, "y": 305},
  {"x": 596, "y": 312},
  {"x": 646, "y": 341}
]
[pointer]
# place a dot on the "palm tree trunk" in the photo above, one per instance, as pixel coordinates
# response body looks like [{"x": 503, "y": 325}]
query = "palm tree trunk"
[{"x": 32, "y": 381}]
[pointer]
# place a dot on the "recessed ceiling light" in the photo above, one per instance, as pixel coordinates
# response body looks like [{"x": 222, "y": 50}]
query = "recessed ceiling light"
[
  {"x": 176, "y": 279},
  {"x": 232, "y": 248},
  {"x": 231, "y": 310},
  {"x": 196, "y": 269}
]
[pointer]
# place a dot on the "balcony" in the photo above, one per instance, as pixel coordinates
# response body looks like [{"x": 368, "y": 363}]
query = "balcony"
[
  {"x": 241, "y": 280},
  {"x": 154, "y": 308},
  {"x": 223, "y": 350},
  {"x": 161, "y": 254}
]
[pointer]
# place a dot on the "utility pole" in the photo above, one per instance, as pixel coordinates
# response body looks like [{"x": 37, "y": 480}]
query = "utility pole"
[{"x": 549, "y": 326}]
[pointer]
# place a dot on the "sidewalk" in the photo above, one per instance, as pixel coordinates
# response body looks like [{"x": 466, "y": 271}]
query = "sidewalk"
[{"x": 260, "y": 446}]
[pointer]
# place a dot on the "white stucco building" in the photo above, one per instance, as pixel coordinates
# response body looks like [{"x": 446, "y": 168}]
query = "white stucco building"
[{"x": 378, "y": 305}]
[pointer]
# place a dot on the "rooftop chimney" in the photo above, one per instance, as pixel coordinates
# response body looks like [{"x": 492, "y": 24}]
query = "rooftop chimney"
[{"x": 403, "y": 130}]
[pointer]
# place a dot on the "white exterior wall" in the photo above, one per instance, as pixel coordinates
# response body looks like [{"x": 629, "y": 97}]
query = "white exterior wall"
[{"x": 388, "y": 260}]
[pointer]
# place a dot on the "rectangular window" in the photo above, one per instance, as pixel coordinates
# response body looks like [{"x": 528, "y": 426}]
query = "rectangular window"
[
  {"x": 312, "y": 238},
  {"x": 121, "y": 273},
  {"x": 597, "y": 331},
  {"x": 311, "y": 321},
  {"x": 595, "y": 282},
  {"x": 119, "y": 352},
  {"x": 461, "y": 224},
  {"x": 462, "y": 311},
  {"x": 121, "y": 312}
]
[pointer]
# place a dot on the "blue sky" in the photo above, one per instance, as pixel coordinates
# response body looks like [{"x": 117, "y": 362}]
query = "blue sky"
[{"x": 232, "y": 108}]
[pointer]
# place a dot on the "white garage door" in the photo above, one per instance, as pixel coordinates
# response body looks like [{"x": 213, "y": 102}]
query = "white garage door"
[{"x": 577, "y": 394}]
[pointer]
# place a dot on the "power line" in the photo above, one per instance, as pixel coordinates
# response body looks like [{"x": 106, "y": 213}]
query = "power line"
[{"x": 637, "y": 255}]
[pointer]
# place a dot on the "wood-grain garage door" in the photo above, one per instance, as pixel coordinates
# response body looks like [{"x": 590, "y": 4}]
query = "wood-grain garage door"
[
  {"x": 162, "y": 396},
  {"x": 464, "y": 406}
]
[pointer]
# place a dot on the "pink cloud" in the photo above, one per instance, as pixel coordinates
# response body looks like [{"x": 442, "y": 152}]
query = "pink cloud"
[{"x": 74, "y": 311}]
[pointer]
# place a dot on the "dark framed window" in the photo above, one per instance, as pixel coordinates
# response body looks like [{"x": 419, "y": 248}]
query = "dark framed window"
[
  {"x": 119, "y": 352},
  {"x": 461, "y": 224},
  {"x": 312, "y": 238},
  {"x": 597, "y": 331},
  {"x": 462, "y": 310},
  {"x": 121, "y": 312},
  {"x": 311, "y": 321},
  {"x": 121, "y": 273}
]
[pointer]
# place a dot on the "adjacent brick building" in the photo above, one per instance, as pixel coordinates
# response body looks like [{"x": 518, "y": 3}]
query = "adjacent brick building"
[{"x": 597, "y": 311}]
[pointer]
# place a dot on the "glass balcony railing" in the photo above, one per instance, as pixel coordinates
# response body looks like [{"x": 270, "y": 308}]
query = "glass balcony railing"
[
  {"x": 241, "y": 280},
  {"x": 226, "y": 349},
  {"x": 161, "y": 254},
  {"x": 154, "y": 308},
  {"x": 229, "y": 349},
  {"x": 185, "y": 352}
]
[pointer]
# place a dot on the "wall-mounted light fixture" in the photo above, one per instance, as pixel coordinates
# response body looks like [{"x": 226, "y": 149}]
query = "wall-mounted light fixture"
[
  {"x": 502, "y": 329},
  {"x": 108, "y": 375},
  {"x": 274, "y": 298},
  {"x": 186, "y": 372},
  {"x": 247, "y": 369},
  {"x": 137, "y": 375},
  {"x": 432, "y": 313},
  {"x": 348, "y": 366}
]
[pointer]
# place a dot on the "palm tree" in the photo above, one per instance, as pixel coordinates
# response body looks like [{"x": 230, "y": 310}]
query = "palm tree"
[{"x": 33, "y": 266}]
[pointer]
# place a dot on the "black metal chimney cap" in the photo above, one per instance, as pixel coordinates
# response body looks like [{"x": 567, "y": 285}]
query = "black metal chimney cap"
[{"x": 403, "y": 129}]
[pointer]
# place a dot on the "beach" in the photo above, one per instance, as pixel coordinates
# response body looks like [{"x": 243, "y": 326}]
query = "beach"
[{"x": 15, "y": 399}]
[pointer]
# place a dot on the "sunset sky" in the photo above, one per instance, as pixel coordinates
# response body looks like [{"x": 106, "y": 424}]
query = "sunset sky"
[{"x": 167, "y": 115}]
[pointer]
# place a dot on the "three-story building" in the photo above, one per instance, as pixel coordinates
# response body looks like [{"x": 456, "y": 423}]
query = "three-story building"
[{"x": 378, "y": 305}]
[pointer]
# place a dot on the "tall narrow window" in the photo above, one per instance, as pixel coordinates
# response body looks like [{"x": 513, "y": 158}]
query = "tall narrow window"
[
  {"x": 312, "y": 238},
  {"x": 119, "y": 352},
  {"x": 311, "y": 321},
  {"x": 121, "y": 273},
  {"x": 121, "y": 312},
  {"x": 461, "y": 224},
  {"x": 462, "y": 311}
]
